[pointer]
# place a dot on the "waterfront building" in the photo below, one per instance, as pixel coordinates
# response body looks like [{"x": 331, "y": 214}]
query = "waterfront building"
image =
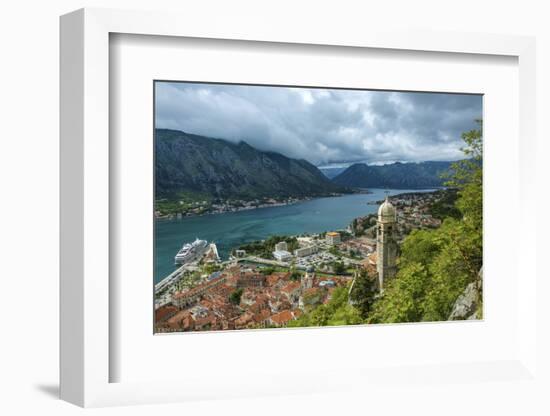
[
  {"x": 386, "y": 244},
  {"x": 333, "y": 238},
  {"x": 282, "y": 255},
  {"x": 281, "y": 246}
]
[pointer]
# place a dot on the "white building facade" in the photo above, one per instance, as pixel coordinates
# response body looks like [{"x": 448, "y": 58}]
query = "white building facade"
[{"x": 333, "y": 238}]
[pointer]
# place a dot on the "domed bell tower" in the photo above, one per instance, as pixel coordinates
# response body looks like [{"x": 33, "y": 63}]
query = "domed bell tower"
[
  {"x": 386, "y": 244},
  {"x": 307, "y": 279}
]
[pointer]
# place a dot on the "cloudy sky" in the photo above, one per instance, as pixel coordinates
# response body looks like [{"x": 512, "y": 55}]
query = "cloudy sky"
[{"x": 326, "y": 127}]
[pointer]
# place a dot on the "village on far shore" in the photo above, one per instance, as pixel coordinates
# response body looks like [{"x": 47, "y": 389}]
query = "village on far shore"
[{"x": 268, "y": 284}]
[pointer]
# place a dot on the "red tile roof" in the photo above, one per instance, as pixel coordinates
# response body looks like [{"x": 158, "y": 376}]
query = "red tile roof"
[
  {"x": 165, "y": 312},
  {"x": 244, "y": 319},
  {"x": 263, "y": 315},
  {"x": 179, "y": 317},
  {"x": 290, "y": 287},
  {"x": 282, "y": 317}
]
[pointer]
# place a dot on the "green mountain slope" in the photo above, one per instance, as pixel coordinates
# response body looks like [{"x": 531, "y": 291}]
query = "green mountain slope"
[
  {"x": 396, "y": 175},
  {"x": 221, "y": 169}
]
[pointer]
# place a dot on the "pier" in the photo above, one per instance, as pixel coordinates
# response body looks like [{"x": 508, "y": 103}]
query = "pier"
[{"x": 170, "y": 279}]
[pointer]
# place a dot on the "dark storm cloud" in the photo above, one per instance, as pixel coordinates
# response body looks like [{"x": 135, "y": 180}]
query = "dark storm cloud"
[{"x": 320, "y": 125}]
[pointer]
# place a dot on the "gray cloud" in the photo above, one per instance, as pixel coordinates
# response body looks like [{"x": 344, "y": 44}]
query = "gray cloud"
[{"x": 323, "y": 126}]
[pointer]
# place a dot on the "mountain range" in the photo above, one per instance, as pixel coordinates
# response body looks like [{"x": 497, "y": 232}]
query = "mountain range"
[
  {"x": 222, "y": 169},
  {"x": 331, "y": 172},
  {"x": 395, "y": 175},
  {"x": 189, "y": 163}
]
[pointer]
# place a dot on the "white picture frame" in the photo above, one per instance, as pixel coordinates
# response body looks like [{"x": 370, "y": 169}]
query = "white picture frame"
[{"x": 86, "y": 356}]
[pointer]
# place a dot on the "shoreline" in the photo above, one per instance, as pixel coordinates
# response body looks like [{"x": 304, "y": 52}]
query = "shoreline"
[
  {"x": 229, "y": 211},
  {"x": 413, "y": 193},
  {"x": 292, "y": 201}
]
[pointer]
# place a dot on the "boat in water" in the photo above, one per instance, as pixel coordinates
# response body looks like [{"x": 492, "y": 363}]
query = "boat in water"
[{"x": 191, "y": 251}]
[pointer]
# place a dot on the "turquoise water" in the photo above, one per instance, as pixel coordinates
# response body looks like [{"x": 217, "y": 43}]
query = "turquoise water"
[{"x": 232, "y": 229}]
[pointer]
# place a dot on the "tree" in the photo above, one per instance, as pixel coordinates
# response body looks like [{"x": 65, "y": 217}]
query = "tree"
[
  {"x": 403, "y": 297},
  {"x": 295, "y": 275},
  {"x": 267, "y": 271},
  {"x": 235, "y": 296},
  {"x": 467, "y": 177},
  {"x": 210, "y": 268},
  {"x": 445, "y": 205},
  {"x": 363, "y": 293},
  {"x": 338, "y": 267}
]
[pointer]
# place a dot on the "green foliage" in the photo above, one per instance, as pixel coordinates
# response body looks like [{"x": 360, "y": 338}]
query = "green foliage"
[
  {"x": 403, "y": 297},
  {"x": 339, "y": 267},
  {"x": 266, "y": 247},
  {"x": 295, "y": 275},
  {"x": 235, "y": 297},
  {"x": 345, "y": 235},
  {"x": 336, "y": 312},
  {"x": 210, "y": 268},
  {"x": 456, "y": 265},
  {"x": 445, "y": 205},
  {"x": 363, "y": 293},
  {"x": 436, "y": 265},
  {"x": 267, "y": 271},
  {"x": 183, "y": 203},
  {"x": 467, "y": 177}
]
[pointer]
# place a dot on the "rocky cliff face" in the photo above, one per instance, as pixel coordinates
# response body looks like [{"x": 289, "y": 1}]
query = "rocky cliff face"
[{"x": 468, "y": 305}]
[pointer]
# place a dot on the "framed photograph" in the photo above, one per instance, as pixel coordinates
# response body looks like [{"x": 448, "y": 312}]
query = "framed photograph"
[
  {"x": 307, "y": 203},
  {"x": 291, "y": 209}
]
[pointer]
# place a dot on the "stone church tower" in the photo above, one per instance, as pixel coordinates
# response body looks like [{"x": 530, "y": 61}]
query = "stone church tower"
[
  {"x": 307, "y": 279},
  {"x": 386, "y": 244}
]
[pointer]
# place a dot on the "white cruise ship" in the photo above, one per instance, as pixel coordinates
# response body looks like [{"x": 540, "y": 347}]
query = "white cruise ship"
[{"x": 191, "y": 251}]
